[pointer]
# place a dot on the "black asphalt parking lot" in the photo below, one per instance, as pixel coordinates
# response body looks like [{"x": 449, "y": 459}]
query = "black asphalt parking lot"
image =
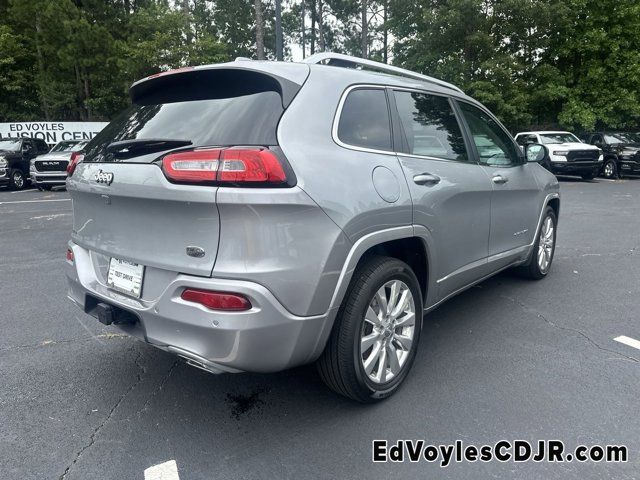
[{"x": 507, "y": 359}]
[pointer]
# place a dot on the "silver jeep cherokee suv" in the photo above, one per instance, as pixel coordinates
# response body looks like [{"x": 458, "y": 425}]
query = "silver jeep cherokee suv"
[{"x": 255, "y": 216}]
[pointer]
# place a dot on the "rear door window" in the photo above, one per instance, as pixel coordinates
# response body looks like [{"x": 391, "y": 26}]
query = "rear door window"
[
  {"x": 364, "y": 120},
  {"x": 430, "y": 126}
]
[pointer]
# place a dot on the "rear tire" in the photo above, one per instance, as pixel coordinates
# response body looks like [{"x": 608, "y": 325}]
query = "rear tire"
[
  {"x": 18, "y": 181},
  {"x": 538, "y": 266},
  {"x": 358, "y": 360}
]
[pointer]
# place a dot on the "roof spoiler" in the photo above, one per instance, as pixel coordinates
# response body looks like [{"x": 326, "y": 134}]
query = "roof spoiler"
[{"x": 214, "y": 81}]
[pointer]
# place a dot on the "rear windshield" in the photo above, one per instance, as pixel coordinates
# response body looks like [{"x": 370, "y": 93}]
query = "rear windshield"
[{"x": 240, "y": 120}]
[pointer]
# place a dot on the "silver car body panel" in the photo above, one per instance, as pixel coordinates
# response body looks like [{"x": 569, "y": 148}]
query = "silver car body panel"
[{"x": 293, "y": 251}]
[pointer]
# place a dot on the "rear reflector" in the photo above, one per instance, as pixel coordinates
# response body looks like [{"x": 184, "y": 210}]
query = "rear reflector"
[
  {"x": 235, "y": 165},
  {"x": 76, "y": 158},
  {"x": 69, "y": 255},
  {"x": 217, "y": 300}
]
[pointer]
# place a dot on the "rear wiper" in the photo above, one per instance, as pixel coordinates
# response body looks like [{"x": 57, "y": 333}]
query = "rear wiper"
[{"x": 139, "y": 146}]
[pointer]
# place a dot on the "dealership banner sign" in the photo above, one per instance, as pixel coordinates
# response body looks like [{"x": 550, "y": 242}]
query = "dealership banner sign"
[{"x": 52, "y": 132}]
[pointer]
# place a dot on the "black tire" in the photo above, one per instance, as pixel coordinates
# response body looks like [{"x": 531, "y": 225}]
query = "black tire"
[
  {"x": 18, "y": 180},
  {"x": 532, "y": 269},
  {"x": 610, "y": 169},
  {"x": 588, "y": 176},
  {"x": 341, "y": 364}
]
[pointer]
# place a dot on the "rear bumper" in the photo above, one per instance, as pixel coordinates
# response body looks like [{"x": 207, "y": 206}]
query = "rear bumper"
[{"x": 266, "y": 338}]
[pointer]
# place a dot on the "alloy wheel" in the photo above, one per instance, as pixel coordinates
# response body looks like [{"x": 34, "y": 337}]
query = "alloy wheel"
[
  {"x": 18, "y": 180},
  {"x": 387, "y": 333},
  {"x": 546, "y": 244},
  {"x": 608, "y": 170}
]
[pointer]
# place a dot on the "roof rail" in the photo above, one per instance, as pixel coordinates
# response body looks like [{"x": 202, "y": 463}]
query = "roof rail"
[{"x": 340, "y": 60}]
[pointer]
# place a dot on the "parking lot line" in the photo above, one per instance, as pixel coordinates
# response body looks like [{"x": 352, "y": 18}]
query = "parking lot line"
[
  {"x": 37, "y": 201},
  {"x": 631, "y": 342},
  {"x": 162, "y": 471}
]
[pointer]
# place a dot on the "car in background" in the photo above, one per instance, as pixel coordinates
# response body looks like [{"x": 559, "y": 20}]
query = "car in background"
[
  {"x": 567, "y": 155},
  {"x": 621, "y": 152},
  {"x": 50, "y": 169},
  {"x": 15, "y": 157}
]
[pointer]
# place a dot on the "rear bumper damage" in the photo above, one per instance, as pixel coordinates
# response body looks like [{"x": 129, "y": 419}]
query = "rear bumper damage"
[{"x": 266, "y": 338}]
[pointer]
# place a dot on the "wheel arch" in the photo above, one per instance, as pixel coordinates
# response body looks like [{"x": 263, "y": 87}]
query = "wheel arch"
[{"x": 409, "y": 244}]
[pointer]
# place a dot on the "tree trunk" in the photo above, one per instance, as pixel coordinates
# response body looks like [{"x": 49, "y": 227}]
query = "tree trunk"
[
  {"x": 313, "y": 27},
  {"x": 385, "y": 34},
  {"x": 365, "y": 30},
  {"x": 279, "y": 47},
  {"x": 79, "y": 92},
  {"x": 87, "y": 95},
  {"x": 185, "y": 11},
  {"x": 259, "y": 30},
  {"x": 304, "y": 31},
  {"x": 41, "y": 71},
  {"x": 320, "y": 26}
]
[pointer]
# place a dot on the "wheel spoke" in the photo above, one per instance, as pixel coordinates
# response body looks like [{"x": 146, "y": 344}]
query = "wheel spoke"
[
  {"x": 404, "y": 341},
  {"x": 372, "y": 317},
  {"x": 371, "y": 360},
  {"x": 381, "y": 374},
  {"x": 367, "y": 341},
  {"x": 406, "y": 321},
  {"x": 394, "y": 365},
  {"x": 401, "y": 305},
  {"x": 393, "y": 297},
  {"x": 381, "y": 295}
]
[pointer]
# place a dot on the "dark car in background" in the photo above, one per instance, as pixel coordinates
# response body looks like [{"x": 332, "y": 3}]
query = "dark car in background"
[
  {"x": 15, "y": 157},
  {"x": 621, "y": 152},
  {"x": 50, "y": 169}
]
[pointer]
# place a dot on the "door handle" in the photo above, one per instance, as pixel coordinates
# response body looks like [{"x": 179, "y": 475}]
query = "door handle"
[
  {"x": 499, "y": 179},
  {"x": 426, "y": 179}
]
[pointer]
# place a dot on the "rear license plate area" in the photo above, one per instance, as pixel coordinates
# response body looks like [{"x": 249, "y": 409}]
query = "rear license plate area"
[{"x": 125, "y": 277}]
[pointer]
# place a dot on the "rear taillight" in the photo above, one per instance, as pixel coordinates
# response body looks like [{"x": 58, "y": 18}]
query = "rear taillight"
[
  {"x": 217, "y": 300},
  {"x": 69, "y": 255},
  {"x": 75, "y": 159},
  {"x": 236, "y": 165}
]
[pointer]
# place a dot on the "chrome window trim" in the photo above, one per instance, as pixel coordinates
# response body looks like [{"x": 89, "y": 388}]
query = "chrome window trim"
[
  {"x": 338, "y": 115},
  {"x": 336, "y": 121}
]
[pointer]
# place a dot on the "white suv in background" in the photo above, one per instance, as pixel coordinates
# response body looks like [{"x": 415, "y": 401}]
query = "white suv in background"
[{"x": 566, "y": 155}]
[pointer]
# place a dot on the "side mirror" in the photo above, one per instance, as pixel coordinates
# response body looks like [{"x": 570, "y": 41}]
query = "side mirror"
[{"x": 534, "y": 152}]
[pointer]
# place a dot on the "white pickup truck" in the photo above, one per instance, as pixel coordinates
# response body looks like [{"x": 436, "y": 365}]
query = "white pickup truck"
[{"x": 567, "y": 155}]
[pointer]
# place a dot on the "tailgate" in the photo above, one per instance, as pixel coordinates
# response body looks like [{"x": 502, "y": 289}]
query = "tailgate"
[{"x": 143, "y": 218}]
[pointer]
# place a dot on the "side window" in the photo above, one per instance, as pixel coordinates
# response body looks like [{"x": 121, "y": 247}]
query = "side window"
[
  {"x": 523, "y": 139},
  {"x": 364, "y": 120},
  {"x": 494, "y": 145},
  {"x": 42, "y": 146},
  {"x": 430, "y": 126}
]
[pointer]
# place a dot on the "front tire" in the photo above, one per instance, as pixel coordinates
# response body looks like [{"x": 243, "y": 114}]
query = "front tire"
[
  {"x": 609, "y": 169},
  {"x": 376, "y": 333},
  {"x": 18, "y": 181},
  {"x": 539, "y": 264}
]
